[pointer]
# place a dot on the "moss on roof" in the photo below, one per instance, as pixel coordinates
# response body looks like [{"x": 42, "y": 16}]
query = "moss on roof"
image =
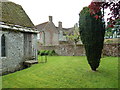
[{"x": 14, "y": 14}]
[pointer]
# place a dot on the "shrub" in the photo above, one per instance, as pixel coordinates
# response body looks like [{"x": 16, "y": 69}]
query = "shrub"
[
  {"x": 52, "y": 53},
  {"x": 48, "y": 52},
  {"x": 38, "y": 52}
]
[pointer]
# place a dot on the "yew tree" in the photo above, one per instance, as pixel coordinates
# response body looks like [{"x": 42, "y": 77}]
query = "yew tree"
[
  {"x": 92, "y": 28},
  {"x": 92, "y": 32}
]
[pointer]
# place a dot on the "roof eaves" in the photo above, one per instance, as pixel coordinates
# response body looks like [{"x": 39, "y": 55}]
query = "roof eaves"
[
  {"x": 42, "y": 24},
  {"x": 18, "y": 28}
]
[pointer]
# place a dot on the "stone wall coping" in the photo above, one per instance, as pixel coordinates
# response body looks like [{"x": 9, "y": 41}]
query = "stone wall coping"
[
  {"x": 112, "y": 44},
  {"x": 62, "y": 45},
  {"x": 78, "y": 45},
  {"x": 67, "y": 50}
]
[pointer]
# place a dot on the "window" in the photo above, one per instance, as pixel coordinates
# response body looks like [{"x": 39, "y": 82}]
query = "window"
[
  {"x": 3, "y": 51},
  {"x": 38, "y": 36}
]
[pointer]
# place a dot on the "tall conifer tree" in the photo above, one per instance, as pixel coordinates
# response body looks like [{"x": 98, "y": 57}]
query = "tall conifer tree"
[{"x": 92, "y": 32}]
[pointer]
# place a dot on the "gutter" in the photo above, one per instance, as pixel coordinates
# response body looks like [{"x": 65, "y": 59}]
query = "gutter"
[{"x": 21, "y": 29}]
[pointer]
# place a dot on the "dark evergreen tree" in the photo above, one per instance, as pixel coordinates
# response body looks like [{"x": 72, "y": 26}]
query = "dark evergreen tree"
[{"x": 92, "y": 32}]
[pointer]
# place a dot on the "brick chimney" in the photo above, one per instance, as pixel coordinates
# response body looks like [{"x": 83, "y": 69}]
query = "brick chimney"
[
  {"x": 60, "y": 24},
  {"x": 50, "y": 18}
]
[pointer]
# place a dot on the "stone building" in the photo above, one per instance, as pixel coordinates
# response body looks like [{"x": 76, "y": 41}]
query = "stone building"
[
  {"x": 50, "y": 35},
  {"x": 63, "y": 32},
  {"x": 18, "y": 37}
]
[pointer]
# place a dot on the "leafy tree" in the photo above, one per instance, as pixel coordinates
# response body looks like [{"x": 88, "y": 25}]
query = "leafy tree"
[
  {"x": 108, "y": 34},
  {"x": 113, "y": 5},
  {"x": 92, "y": 32},
  {"x": 117, "y": 27},
  {"x": 111, "y": 31}
]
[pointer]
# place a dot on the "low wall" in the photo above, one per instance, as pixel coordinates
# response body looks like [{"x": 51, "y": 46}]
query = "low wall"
[
  {"x": 66, "y": 50},
  {"x": 70, "y": 50},
  {"x": 111, "y": 49}
]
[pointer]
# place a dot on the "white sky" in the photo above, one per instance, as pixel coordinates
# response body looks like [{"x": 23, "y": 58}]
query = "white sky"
[{"x": 66, "y": 11}]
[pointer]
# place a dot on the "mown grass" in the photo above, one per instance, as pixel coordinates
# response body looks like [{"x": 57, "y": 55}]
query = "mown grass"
[
  {"x": 65, "y": 72},
  {"x": 0, "y": 82}
]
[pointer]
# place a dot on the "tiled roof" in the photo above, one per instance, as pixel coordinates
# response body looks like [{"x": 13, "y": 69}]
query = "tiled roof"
[
  {"x": 41, "y": 26},
  {"x": 14, "y": 14},
  {"x": 65, "y": 29}
]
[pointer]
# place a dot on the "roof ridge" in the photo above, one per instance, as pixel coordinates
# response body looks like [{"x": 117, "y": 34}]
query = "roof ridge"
[
  {"x": 64, "y": 28},
  {"x": 42, "y": 23},
  {"x": 14, "y": 13},
  {"x": 4, "y": 1}
]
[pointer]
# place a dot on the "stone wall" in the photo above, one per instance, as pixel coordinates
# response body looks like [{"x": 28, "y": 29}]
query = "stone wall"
[
  {"x": 48, "y": 34},
  {"x": 15, "y": 51},
  {"x": 34, "y": 45},
  {"x": 111, "y": 49},
  {"x": 69, "y": 50},
  {"x": 66, "y": 50}
]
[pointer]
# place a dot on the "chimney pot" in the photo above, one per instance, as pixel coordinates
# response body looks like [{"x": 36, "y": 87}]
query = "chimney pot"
[
  {"x": 60, "y": 24},
  {"x": 50, "y": 18}
]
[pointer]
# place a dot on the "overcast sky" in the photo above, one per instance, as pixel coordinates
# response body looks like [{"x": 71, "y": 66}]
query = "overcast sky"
[{"x": 66, "y": 11}]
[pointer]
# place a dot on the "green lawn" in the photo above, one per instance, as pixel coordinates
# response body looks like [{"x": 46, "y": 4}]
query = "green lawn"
[{"x": 65, "y": 72}]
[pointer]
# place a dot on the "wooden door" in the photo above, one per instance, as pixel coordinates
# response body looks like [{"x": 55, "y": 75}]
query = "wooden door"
[{"x": 27, "y": 45}]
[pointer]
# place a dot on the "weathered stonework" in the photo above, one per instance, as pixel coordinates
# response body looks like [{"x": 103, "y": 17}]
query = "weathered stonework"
[
  {"x": 15, "y": 51},
  {"x": 51, "y": 34},
  {"x": 34, "y": 46},
  {"x": 69, "y": 50},
  {"x": 48, "y": 33},
  {"x": 66, "y": 50},
  {"x": 112, "y": 50},
  {"x": 18, "y": 38}
]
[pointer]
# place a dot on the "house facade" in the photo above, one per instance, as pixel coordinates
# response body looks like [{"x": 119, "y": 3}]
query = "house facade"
[
  {"x": 18, "y": 38},
  {"x": 50, "y": 35}
]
